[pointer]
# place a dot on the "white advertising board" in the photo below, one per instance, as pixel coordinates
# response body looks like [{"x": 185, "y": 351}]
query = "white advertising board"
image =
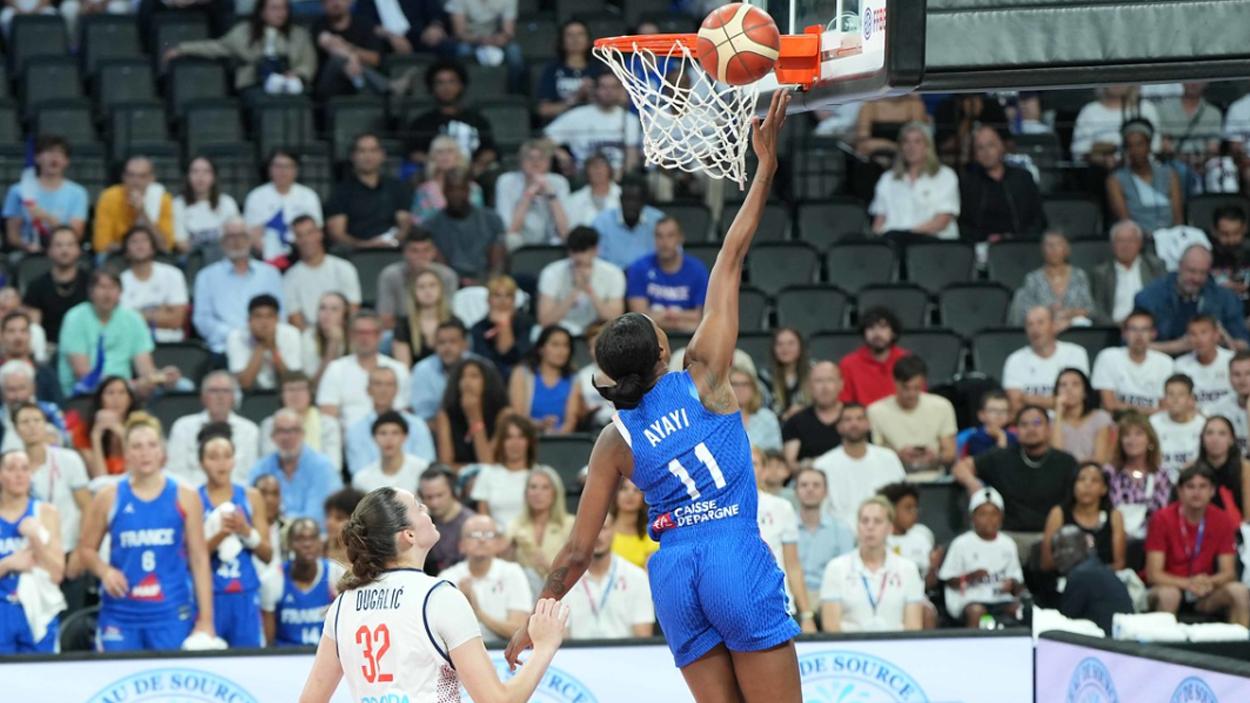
[
  {"x": 1070, "y": 673},
  {"x": 921, "y": 670}
]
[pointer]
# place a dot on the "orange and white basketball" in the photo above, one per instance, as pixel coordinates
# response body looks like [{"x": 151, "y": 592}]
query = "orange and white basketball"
[{"x": 738, "y": 44}]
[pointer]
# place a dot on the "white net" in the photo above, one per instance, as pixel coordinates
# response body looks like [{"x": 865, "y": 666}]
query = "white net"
[{"x": 690, "y": 121}]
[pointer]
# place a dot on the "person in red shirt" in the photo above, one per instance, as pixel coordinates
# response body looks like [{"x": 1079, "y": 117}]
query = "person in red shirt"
[
  {"x": 867, "y": 372},
  {"x": 1190, "y": 556}
]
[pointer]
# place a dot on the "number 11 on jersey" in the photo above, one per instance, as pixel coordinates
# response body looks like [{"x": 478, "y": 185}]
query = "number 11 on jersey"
[{"x": 705, "y": 457}]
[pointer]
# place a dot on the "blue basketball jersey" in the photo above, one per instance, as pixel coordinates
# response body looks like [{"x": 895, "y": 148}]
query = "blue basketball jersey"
[
  {"x": 12, "y": 541},
  {"x": 239, "y": 575},
  {"x": 693, "y": 465},
  {"x": 300, "y": 614},
  {"x": 147, "y": 544}
]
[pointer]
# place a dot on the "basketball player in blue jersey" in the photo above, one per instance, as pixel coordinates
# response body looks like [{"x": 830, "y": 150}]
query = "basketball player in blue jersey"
[
  {"x": 156, "y": 551},
  {"x": 236, "y": 585},
  {"x": 30, "y": 537},
  {"x": 719, "y": 595},
  {"x": 295, "y": 600}
]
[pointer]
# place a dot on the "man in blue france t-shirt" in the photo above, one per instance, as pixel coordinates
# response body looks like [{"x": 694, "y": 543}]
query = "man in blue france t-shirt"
[{"x": 668, "y": 285}]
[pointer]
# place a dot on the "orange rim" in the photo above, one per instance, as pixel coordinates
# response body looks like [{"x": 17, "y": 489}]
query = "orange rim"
[{"x": 659, "y": 43}]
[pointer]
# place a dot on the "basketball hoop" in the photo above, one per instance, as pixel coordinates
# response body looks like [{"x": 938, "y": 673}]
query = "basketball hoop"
[{"x": 690, "y": 121}]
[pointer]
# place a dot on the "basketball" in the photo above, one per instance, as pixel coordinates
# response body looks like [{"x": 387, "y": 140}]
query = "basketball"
[{"x": 738, "y": 44}]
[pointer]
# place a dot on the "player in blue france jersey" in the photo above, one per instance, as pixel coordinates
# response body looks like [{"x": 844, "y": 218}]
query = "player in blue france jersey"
[
  {"x": 719, "y": 595},
  {"x": 157, "y": 556}
]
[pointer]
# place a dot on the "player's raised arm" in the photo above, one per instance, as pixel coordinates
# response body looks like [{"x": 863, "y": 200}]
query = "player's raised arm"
[{"x": 712, "y": 346}]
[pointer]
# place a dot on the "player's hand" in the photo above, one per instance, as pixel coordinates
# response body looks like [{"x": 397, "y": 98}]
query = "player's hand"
[
  {"x": 546, "y": 626},
  {"x": 519, "y": 643},
  {"x": 114, "y": 582},
  {"x": 764, "y": 132}
]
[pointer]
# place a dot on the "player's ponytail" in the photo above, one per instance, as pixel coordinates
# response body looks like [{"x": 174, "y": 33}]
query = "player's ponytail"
[
  {"x": 369, "y": 537},
  {"x": 627, "y": 350}
]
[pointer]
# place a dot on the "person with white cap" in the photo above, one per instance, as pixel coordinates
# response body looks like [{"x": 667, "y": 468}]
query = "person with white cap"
[{"x": 982, "y": 567}]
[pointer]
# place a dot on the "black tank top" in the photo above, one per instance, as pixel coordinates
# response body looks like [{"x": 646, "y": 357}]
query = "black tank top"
[{"x": 1101, "y": 534}]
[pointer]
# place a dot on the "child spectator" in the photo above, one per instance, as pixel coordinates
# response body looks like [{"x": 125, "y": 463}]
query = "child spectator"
[
  {"x": 982, "y": 567},
  {"x": 994, "y": 414}
]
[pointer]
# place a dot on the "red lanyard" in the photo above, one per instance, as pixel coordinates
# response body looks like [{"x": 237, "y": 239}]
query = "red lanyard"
[{"x": 1197, "y": 548}]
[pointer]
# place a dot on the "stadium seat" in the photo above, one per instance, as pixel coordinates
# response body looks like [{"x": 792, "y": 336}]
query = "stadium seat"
[
  {"x": 10, "y": 125},
  {"x": 1093, "y": 339},
  {"x": 752, "y": 310},
  {"x": 910, "y": 303},
  {"x": 968, "y": 308},
  {"x": 942, "y": 350},
  {"x": 822, "y": 223},
  {"x": 531, "y": 259},
  {"x": 832, "y": 346},
  {"x": 350, "y": 116},
  {"x": 401, "y": 111},
  {"x": 91, "y": 168},
  {"x": 991, "y": 347},
  {"x": 259, "y": 405},
  {"x": 635, "y": 10},
  {"x": 106, "y": 37},
  {"x": 315, "y": 168},
  {"x": 1075, "y": 215},
  {"x": 78, "y": 630},
  {"x": 812, "y": 308},
  {"x": 211, "y": 122},
  {"x": 1045, "y": 151},
  {"x": 369, "y": 264},
  {"x": 29, "y": 268},
  {"x": 4, "y": 82},
  {"x": 36, "y": 37},
  {"x": 853, "y": 265},
  {"x": 190, "y": 80},
  {"x": 70, "y": 118},
  {"x": 603, "y": 24},
  {"x": 485, "y": 82},
  {"x": 168, "y": 407},
  {"x": 943, "y": 509},
  {"x": 237, "y": 169},
  {"x": 581, "y": 352},
  {"x": 1088, "y": 253},
  {"x": 169, "y": 29},
  {"x": 537, "y": 38},
  {"x": 120, "y": 81},
  {"x": 395, "y": 65},
  {"x": 758, "y": 346},
  {"x": 567, "y": 454},
  {"x": 192, "y": 358},
  {"x": 695, "y": 221},
  {"x": 509, "y": 121},
  {"x": 774, "y": 222},
  {"x": 935, "y": 265},
  {"x": 282, "y": 121},
  {"x": 1200, "y": 209},
  {"x": 568, "y": 9},
  {"x": 819, "y": 168},
  {"x": 772, "y": 266},
  {"x": 133, "y": 125},
  {"x": 46, "y": 79},
  {"x": 703, "y": 251},
  {"x": 1011, "y": 261}
]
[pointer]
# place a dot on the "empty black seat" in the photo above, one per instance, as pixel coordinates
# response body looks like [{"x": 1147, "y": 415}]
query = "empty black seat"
[
  {"x": 971, "y": 307},
  {"x": 369, "y": 264},
  {"x": 169, "y": 29},
  {"x": 46, "y": 79},
  {"x": 774, "y": 222},
  {"x": 1200, "y": 209},
  {"x": 832, "y": 346},
  {"x": 908, "y": 302},
  {"x": 1088, "y": 253},
  {"x": 942, "y": 351},
  {"x": 704, "y": 252},
  {"x": 193, "y": 359},
  {"x": 752, "y": 310},
  {"x": 211, "y": 122},
  {"x": 695, "y": 221},
  {"x": 772, "y": 266},
  {"x": 1075, "y": 215},
  {"x": 282, "y": 121},
  {"x": 36, "y": 37},
  {"x": 1010, "y": 261},
  {"x": 812, "y": 308},
  {"x": 350, "y": 117},
  {"x": 509, "y": 121},
  {"x": 533, "y": 258},
  {"x": 192, "y": 79},
  {"x": 486, "y": 82},
  {"x": 71, "y": 119},
  {"x": 106, "y": 37},
  {"x": 935, "y": 265},
  {"x": 853, "y": 265},
  {"x": 991, "y": 347},
  {"x": 134, "y": 125},
  {"x": 822, "y": 223},
  {"x": 757, "y": 345},
  {"x": 567, "y": 454},
  {"x": 121, "y": 81},
  {"x": 537, "y": 38},
  {"x": 257, "y": 406},
  {"x": 1093, "y": 339}
]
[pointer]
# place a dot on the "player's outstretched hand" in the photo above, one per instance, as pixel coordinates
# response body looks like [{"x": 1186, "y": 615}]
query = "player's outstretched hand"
[
  {"x": 547, "y": 624},
  {"x": 764, "y": 132},
  {"x": 519, "y": 643}
]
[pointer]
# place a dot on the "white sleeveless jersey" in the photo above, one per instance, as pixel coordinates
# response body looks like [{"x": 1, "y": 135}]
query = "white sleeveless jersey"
[{"x": 386, "y": 644}]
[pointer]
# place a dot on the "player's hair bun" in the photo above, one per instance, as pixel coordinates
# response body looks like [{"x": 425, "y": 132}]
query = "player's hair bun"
[
  {"x": 627, "y": 393},
  {"x": 628, "y": 350}
]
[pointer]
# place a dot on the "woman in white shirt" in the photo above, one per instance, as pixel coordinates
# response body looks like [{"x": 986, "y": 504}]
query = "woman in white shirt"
[
  {"x": 918, "y": 195},
  {"x": 499, "y": 489},
  {"x": 201, "y": 211},
  {"x": 871, "y": 589},
  {"x": 385, "y": 651},
  {"x": 600, "y": 193}
]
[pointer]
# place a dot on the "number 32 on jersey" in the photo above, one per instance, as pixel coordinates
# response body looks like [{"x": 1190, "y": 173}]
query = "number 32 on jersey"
[{"x": 705, "y": 457}]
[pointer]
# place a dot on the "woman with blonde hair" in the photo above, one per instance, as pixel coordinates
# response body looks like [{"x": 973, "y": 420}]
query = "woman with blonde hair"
[
  {"x": 427, "y": 306},
  {"x": 763, "y": 428},
  {"x": 503, "y": 335},
  {"x": 872, "y": 589},
  {"x": 918, "y": 198},
  {"x": 444, "y": 156},
  {"x": 1137, "y": 485},
  {"x": 543, "y": 526}
]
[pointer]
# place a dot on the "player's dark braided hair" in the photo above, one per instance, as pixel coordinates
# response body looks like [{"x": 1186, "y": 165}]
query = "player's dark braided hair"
[
  {"x": 627, "y": 350},
  {"x": 369, "y": 536}
]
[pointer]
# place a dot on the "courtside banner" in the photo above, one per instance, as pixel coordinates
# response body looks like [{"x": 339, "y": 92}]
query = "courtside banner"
[
  {"x": 1072, "y": 673},
  {"x": 925, "y": 669}
]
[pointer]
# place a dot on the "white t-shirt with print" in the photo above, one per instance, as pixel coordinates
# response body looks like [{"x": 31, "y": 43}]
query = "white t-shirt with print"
[
  {"x": 503, "y": 588},
  {"x": 265, "y": 201},
  {"x": 372, "y": 476},
  {"x": 1178, "y": 441},
  {"x": 502, "y": 490},
  {"x": 556, "y": 282},
  {"x": 200, "y": 224},
  {"x": 303, "y": 286},
  {"x": 609, "y": 607},
  {"x": 1136, "y": 385},
  {"x": 1032, "y": 374},
  {"x": 872, "y": 601},
  {"x": 967, "y": 553},
  {"x": 1211, "y": 382},
  {"x": 779, "y": 526},
  {"x": 165, "y": 286},
  {"x": 589, "y": 129},
  {"x": 906, "y": 203},
  {"x": 915, "y": 545}
]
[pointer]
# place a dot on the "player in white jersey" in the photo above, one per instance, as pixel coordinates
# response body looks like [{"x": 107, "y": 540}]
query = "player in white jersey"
[
  {"x": 1207, "y": 364},
  {"x": 373, "y": 637},
  {"x": 1179, "y": 428}
]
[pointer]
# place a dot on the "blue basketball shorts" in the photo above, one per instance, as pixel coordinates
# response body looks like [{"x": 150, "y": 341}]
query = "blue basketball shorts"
[
  {"x": 15, "y": 634},
  {"x": 718, "y": 586},
  {"x": 236, "y": 616},
  {"x": 115, "y": 635}
]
